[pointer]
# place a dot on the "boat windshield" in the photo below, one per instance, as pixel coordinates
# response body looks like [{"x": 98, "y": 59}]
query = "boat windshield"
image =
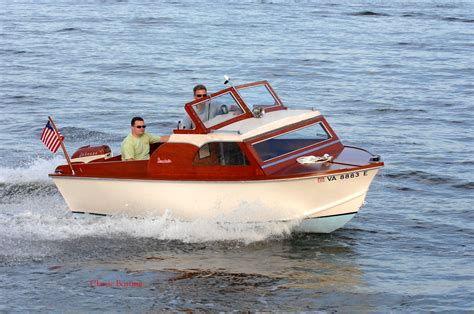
[
  {"x": 257, "y": 96},
  {"x": 218, "y": 109},
  {"x": 291, "y": 141}
]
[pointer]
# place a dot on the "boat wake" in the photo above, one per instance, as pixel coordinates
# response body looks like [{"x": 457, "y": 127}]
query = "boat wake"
[
  {"x": 34, "y": 216},
  {"x": 33, "y": 171},
  {"x": 57, "y": 225}
]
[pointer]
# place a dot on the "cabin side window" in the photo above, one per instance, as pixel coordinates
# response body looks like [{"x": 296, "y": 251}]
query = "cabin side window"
[
  {"x": 291, "y": 141},
  {"x": 220, "y": 154}
]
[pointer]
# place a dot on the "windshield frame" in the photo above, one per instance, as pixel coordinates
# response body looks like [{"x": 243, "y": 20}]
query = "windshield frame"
[
  {"x": 200, "y": 128},
  {"x": 279, "y": 104}
]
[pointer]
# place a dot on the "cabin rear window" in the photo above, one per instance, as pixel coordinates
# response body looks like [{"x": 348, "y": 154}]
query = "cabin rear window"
[
  {"x": 220, "y": 154},
  {"x": 291, "y": 141}
]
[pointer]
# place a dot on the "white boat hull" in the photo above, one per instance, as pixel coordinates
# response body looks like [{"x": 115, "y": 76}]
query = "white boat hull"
[{"x": 322, "y": 203}]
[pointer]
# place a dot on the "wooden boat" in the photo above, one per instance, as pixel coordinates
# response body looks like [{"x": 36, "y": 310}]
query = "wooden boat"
[{"x": 254, "y": 161}]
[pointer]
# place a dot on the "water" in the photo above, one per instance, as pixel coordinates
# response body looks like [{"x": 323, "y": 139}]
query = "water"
[{"x": 394, "y": 77}]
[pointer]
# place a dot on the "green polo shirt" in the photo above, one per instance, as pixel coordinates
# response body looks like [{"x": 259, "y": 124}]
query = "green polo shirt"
[{"x": 138, "y": 148}]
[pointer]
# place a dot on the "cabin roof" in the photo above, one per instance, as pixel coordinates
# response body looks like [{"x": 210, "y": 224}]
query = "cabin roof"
[
  {"x": 270, "y": 121},
  {"x": 247, "y": 128}
]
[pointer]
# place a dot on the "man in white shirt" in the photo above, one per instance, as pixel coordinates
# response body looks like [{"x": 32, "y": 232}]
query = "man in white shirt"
[{"x": 204, "y": 110}]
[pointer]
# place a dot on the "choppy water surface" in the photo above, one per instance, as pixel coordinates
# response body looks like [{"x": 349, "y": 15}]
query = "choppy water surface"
[{"x": 395, "y": 78}]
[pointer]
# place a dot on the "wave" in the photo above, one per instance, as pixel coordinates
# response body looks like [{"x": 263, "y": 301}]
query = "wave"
[
  {"x": 77, "y": 134},
  {"x": 18, "y": 191},
  {"x": 151, "y": 20},
  {"x": 402, "y": 188},
  {"x": 39, "y": 226},
  {"x": 467, "y": 186},
  {"x": 68, "y": 29},
  {"x": 368, "y": 13},
  {"x": 421, "y": 176},
  {"x": 412, "y": 14},
  {"x": 460, "y": 162},
  {"x": 437, "y": 17},
  {"x": 447, "y": 6},
  {"x": 399, "y": 110},
  {"x": 430, "y": 179},
  {"x": 22, "y": 233},
  {"x": 457, "y": 19},
  {"x": 30, "y": 172},
  {"x": 12, "y": 51}
]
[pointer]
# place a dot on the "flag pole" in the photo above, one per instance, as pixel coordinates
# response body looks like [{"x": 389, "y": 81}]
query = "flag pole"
[{"x": 62, "y": 145}]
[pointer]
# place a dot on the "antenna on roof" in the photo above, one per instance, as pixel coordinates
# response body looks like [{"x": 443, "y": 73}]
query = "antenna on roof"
[{"x": 227, "y": 80}]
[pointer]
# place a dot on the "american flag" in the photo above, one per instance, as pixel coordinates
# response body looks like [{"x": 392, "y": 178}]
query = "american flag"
[{"x": 50, "y": 139}]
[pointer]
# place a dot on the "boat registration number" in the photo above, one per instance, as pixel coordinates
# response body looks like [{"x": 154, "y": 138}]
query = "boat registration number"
[{"x": 344, "y": 176}]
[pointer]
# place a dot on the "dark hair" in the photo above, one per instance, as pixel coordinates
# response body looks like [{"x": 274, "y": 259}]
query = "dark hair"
[
  {"x": 135, "y": 119},
  {"x": 199, "y": 87}
]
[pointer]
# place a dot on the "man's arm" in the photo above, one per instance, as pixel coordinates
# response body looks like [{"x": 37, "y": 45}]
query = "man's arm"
[
  {"x": 216, "y": 109},
  {"x": 153, "y": 138}
]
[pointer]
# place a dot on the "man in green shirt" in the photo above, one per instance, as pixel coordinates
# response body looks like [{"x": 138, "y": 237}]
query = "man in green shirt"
[{"x": 136, "y": 146}]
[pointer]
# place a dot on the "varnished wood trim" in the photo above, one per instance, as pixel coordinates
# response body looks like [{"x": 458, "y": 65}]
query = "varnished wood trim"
[{"x": 242, "y": 179}]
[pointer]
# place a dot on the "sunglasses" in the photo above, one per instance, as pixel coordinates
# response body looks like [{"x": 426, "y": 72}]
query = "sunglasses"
[
  {"x": 140, "y": 126},
  {"x": 201, "y": 95}
]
